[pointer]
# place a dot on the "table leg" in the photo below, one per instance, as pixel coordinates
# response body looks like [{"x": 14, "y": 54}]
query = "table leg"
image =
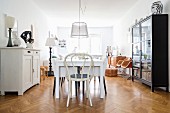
[{"x": 101, "y": 82}]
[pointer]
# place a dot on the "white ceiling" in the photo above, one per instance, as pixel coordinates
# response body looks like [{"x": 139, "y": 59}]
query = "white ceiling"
[{"x": 97, "y": 12}]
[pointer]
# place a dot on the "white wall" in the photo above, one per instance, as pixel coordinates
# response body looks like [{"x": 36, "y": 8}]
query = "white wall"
[
  {"x": 140, "y": 10},
  {"x": 105, "y": 32},
  {"x": 27, "y": 14}
]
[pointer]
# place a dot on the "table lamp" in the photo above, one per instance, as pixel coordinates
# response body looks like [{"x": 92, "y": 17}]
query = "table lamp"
[
  {"x": 9, "y": 22},
  {"x": 50, "y": 42}
]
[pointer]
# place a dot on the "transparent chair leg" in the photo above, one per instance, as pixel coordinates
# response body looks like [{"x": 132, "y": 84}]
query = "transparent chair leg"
[
  {"x": 69, "y": 94},
  {"x": 89, "y": 96},
  {"x": 87, "y": 87},
  {"x": 71, "y": 90}
]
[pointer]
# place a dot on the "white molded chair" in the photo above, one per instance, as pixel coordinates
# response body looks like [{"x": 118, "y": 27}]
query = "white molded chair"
[{"x": 85, "y": 62}]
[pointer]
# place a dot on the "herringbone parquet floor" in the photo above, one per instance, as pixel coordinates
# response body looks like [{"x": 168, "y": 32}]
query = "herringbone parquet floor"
[{"x": 124, "y": 96}]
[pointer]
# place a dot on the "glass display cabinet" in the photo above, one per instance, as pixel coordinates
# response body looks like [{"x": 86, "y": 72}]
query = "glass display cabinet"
[{"x": 150, "y": 51}]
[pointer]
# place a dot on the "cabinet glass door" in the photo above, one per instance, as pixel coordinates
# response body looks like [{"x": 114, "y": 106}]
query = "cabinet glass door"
[
  {"x": 136, "y": 51},
  {"x": 146, "y": 56},
  {"x": 136, "y": 34}
]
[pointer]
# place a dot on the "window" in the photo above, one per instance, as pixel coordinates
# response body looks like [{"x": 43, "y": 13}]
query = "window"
[
  {"x": 95, "y": 44},
  {"x": 92, "y": 44}
]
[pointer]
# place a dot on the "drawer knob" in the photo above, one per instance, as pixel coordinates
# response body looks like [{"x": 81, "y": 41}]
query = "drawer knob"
[{"x": 29, "y": 51}]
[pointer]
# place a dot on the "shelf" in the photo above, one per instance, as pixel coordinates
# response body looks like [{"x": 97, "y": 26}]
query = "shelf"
[
  {"x": 136, "y": 65},
  {"x": 146, "y": 82},
  {"x": 136, "y": 42},
  {"x": 141, "y": 41},
  {"x": 145, "y": 40},
  {"x": 143, "y": 80}
]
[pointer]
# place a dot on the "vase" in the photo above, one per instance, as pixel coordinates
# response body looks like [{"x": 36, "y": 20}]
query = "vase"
[
  {"x": 17, "y": 42},
  {"x": 29, "y": 45}
]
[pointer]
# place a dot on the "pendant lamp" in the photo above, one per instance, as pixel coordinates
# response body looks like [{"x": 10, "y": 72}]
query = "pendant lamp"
[{"x": 79, "y": 29}]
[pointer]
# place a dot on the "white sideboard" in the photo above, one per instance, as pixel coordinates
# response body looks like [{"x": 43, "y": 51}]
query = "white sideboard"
[{"x": 19, "y": 69}]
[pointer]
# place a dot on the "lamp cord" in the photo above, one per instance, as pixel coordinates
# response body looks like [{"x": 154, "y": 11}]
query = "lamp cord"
[
  {"x": 79, "y": 26},
  {"x": 79, "y": 9},
  {"x": 83, "y": 9}
]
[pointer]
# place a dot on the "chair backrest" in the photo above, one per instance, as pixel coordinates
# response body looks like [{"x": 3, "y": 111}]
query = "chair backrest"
[
  {"x": 82, "y": 60},
  {"x": 127, "y": 63},
  {"x": 114, "y": 60},
  {"x": 119, "y": 63}
]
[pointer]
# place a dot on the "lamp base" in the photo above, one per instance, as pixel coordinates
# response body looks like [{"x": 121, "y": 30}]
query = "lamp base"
[
  {"x": 10, "y": 40},
  {"x": 50, "y": 73}
]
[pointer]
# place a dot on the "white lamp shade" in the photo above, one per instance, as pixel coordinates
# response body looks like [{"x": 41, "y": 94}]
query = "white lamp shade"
[
  {"x": 9, "y": 21},
  {"x": 50, "y": 42},
  {"x": 79, "y": 29}
]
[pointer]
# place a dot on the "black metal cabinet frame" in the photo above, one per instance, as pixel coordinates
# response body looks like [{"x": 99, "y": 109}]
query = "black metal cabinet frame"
[{"x": 150, "y": 51}]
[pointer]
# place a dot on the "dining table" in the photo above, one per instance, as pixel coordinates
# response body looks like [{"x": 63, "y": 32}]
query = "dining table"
[{"x": 60, "y": 71}]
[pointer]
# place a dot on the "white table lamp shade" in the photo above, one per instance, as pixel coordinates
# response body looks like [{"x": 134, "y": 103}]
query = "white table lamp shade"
[
  {"x": 9, "y": 21},
  {"x": 50, "y": 42}
]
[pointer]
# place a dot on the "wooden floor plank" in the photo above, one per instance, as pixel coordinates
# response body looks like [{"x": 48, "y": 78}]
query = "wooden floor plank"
[{"x": 123, "y": 96}]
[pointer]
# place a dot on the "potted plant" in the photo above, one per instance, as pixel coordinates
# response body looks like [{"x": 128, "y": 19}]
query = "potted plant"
[{"x": 145, "y": 56}]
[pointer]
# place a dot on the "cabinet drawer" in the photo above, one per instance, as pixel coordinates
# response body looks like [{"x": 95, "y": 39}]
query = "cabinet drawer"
[
  {"x": 37, "y": 53},
  {"x": 28, "y": 52}
]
